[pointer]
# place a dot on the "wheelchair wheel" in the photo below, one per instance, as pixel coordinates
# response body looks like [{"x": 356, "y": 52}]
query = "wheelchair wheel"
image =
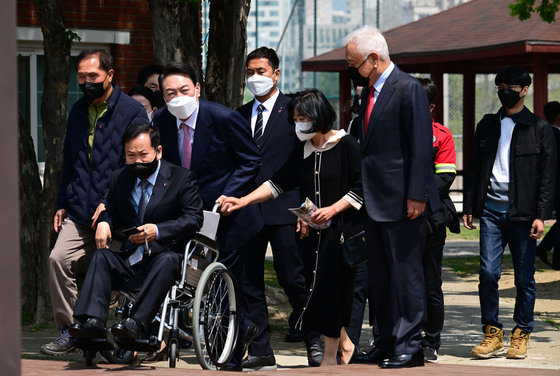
[
  {"x": 173, "y": 353},
  {"x": 215, "y": 316}
]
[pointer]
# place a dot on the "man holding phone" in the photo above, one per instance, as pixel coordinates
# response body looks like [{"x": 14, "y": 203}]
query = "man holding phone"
[{"x": 159, "y": 205}]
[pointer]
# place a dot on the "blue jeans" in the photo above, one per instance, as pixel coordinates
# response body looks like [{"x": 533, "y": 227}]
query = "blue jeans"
[{"x": 497, "y": 231}]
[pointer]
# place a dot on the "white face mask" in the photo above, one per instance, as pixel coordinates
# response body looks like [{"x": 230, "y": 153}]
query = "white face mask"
[
  {"x": 182, "y": 107},
  {"x": 259, "y": 85},
  {"x": 302, "y": 127}
]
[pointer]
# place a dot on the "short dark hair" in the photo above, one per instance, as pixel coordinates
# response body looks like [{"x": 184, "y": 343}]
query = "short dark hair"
[
  {"x": 147, "y": 71},
  {"x": 551, "y": 111},
  {"x": 264, "y": 53},
  {"x": 176, "y": 67},
  {"x": 513, "y": 75},
  {"x": 431, "y": 89},
  {"x": 146, "y": 92},
  {"x": 313, "y": 103},
  {"x": 105, "y": 58},
  {"x": 136, "y": 130}
]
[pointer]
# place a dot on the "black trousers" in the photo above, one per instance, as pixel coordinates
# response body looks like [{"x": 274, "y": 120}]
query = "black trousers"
[
  {"x": 290, "y": 272},
  {"x": 234, "y": 260},
  {"x": 434, "y": 294},
  {"x": 363, "y": 291},
  {"x": 395, "y": 268},
  {"x": 109, "y": 270},
  {"x": 552, "y": 241}
]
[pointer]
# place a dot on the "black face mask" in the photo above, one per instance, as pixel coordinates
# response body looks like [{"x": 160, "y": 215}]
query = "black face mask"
[
  {"x": 357, "y": 78},
  {"x": 508, "y": 97},
  {"x": 143, "y": 170},
  {"x": 92, "y": 90}
]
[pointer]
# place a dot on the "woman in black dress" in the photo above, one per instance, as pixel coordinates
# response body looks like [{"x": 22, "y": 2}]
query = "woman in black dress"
[{"x": 327, "y": 170}]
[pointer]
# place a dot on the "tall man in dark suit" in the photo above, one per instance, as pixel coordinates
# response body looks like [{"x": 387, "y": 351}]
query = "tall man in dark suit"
[
  {"x": 215, "y": 143},
  {"x": 276, "y": 139},
  {"x": 396, "y": 141},
  {"x": 162, "y": 201}
]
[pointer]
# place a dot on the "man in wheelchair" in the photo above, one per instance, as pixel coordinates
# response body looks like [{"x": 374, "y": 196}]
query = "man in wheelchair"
[{"x": 158, "y": 205}]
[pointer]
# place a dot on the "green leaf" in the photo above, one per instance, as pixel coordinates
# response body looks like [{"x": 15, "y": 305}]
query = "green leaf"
[
  {"x": 72, "y": 36},
  {"x": 523, "y": 9}
]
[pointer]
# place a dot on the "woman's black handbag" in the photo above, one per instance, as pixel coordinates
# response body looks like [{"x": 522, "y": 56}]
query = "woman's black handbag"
[{"x": 353, "y": 249}]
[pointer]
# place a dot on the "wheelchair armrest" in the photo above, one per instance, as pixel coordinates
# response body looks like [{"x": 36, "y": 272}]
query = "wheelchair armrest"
[{"x": 206, "y": 241}]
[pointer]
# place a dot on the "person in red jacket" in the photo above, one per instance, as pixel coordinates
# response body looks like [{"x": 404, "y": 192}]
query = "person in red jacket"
[{"x": 445, "y": 216}]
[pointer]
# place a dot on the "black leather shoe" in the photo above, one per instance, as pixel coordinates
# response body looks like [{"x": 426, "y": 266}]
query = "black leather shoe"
[
  {"x": 127, "y": 329},
  {"x": 372, "y": 357},
  {"x": 250, "y": 333},
  {"x": 92, "y": 328},
  {"x": 314, "y": 353},
  {"x": 293, "y": 335},
  {"x": 156, "y": 356},
  {"x": 232, "y": 368},
  {"x": 405, "y": 360},
  {"x": 259, "y": 363}
]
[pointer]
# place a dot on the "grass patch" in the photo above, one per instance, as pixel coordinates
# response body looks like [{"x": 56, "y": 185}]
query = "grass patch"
[
  {"x": 463, "y": 265},
  {"x": 467, "y": 265},
  {"x": 279, "y": 328},
  {"x": 464, "y": 235},
  {"x": 270, "y": 274},
  {"x": 27, "y": 317},
  {"x": 548, "y": 320},
  {"x": 475, "y": 234}
]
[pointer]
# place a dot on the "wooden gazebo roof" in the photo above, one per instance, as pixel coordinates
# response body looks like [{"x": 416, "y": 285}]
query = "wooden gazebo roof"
[
  {"x": 475, "y": 37},
  {"x": 477, "y": 30}
]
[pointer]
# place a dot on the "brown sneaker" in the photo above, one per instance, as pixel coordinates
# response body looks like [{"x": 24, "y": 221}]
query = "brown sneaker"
[
  {"x": 518, "y": 342},
  {"x": 491, "y": 345}
]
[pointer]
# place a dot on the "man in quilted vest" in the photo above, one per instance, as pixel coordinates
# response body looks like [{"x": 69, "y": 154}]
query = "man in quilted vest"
[{"x": 92, "y": 151}]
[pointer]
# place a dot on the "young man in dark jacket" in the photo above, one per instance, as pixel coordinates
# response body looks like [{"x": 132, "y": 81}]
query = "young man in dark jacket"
[
  {"x": 510, "y": 187},
  {"x": 92, "y": 151}
]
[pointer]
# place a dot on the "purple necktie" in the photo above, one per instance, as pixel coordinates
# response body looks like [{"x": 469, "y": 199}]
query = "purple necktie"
[{"x": 187, "y": 146}]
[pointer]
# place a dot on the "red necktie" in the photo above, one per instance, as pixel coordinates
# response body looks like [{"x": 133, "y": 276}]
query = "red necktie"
[{"x": 369, "y": 108}]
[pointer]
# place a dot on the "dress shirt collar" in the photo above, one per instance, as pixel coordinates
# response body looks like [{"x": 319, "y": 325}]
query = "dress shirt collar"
[
  {"x": 331, "y": 142},
  {"x": 151, "y": 179},
  {"x": 268, "y": 104},
  {"x": 191, "y": 121},
  {"x": 378, "y": 85}
]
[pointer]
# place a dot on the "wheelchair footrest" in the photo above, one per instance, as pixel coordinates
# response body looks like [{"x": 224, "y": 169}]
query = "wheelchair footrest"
[
  {"x": 147, "y": 345},
  {"x": 94, "y": 344}
]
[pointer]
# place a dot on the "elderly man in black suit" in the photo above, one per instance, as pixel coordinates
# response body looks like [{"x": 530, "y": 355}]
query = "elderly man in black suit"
[
  {"x": 161, "y": 202},
  {"x": 267, "y": 116},
  {"x": 397, "y": 173}
]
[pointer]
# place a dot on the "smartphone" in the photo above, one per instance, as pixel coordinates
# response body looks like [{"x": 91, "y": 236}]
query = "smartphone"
[{"x": 130, "y": 231}]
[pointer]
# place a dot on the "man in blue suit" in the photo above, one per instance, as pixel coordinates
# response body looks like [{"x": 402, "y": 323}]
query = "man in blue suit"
[
  {"x": 276, "y": 139},
  {"x": 215, "y": 143},
  {"x": 396, "y": 141}
]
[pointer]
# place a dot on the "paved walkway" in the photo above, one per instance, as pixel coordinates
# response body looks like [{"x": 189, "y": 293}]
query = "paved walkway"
[
  {"x": 42, "y": 367},
  {"x": 461, "y": 332}
]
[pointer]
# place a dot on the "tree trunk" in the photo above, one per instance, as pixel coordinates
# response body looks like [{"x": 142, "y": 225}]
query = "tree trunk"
[
  {"x": 56, "y": 45},
  {"x": 227, "y": 47},
  {"x": 30, "y": 193},
  {"x": 177, "y": 35}
]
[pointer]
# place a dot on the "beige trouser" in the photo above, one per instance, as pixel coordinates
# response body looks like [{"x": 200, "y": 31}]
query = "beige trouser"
[{"x": 68, "y": 259}]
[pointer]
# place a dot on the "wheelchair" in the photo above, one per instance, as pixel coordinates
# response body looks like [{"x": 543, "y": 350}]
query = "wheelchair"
[{"x": 205, "y": 300}]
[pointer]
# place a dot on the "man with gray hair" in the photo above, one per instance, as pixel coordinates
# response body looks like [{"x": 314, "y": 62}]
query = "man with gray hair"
[{"x": 396, "y": 139}]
